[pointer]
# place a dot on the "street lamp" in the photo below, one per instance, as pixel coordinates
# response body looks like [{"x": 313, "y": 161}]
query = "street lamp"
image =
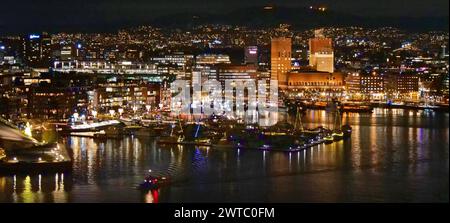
[
  {"x": 94, "y": 113},
  {"x": 75, "y": 116},
  {"x": 112, "y": 112},
  {"x": 83, "y": 118},
  {"x": 135, "y": 108}
]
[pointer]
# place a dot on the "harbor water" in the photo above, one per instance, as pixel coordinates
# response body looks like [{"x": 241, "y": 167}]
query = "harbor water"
[{"x": 393, "y": 155}]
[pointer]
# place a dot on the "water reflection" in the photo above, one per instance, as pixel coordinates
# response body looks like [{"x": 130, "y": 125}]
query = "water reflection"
[
  {"x": 152, "y": 196},
  {"x": 393, "y": 155},
  {"x": 35, "y": 188}
]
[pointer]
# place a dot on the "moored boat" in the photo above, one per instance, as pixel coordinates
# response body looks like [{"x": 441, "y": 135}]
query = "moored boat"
[
  {"x": 347, "y": 130},
  {"x": 328, "y": 139},
  {"x": 337, "y": 135}
]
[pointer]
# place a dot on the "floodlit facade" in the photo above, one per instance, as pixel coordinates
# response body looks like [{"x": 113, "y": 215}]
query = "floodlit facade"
[
  {"x": 281, "y": 49},
  {"x": 321, "y": 55}
]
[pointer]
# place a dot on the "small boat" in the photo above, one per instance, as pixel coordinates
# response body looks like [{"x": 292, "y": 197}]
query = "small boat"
[
  {"x": 347, "y": 130},
  {"x": 153, "y": 131},
  {"x": 356, "y": 107},
  {"x": 151, "y": 182},
  {"x": 284, "y": 142},
  {"x": 338, "y": 135},
  {"x": 91, "y": 127},
  {"x": 200, "y": 133},
  {"x": 328, "y": 138}
]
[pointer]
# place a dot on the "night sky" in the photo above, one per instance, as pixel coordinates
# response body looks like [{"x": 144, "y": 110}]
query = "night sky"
[{"x": 25, "y": 15}]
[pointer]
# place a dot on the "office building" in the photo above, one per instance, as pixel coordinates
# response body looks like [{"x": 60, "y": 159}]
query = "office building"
[
  {"x": 280, "y": 54},
  {"x": 321, "y": 55},
  {"x": 251, "y": 55}
]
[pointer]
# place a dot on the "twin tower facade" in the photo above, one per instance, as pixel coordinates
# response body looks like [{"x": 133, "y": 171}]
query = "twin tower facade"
[{"x": 321, "y": 56}]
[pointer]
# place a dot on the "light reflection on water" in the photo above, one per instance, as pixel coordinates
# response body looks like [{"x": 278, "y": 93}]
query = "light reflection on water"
[
  {"x": 35, "y": 189},
  {"x": 393, "y": 155}
]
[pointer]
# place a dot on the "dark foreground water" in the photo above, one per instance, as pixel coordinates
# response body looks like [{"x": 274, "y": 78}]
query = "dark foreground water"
[{"x": 392, "y": 156}]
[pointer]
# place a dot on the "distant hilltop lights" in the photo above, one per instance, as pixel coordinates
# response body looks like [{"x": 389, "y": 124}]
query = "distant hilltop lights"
[
  {"x": 312, "y": 7},
  {"x": 268, "y": 7},
  {"x": 318, "y": 8}
]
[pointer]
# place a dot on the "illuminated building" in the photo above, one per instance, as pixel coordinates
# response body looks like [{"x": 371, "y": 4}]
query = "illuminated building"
[
  {"x": 445, "y": 85},
  {"x": 321, "y": 55},
  {"x": 46, "y": 52},
  {"x": 444, "y": 54},
  {"x": 54, "y": 103},
  {"x": 251, "y": 55},
  {"x": 353, "y": 83},
  {"x": 66, "y": 53},
  {"x": 373, "y": 86},
  {"x": 8, "y": 60},
  {"x": 79, "y": 50},
  {"x": 200, "y": 73},
  {"x": 379, "y": 86},
  {"x": 224, "y": 72},
  {"x": 406, "y": 83},
  {"x": 280, "y": 55},
  {"x": 102, "y": 66},
  {"x": 178, "y": 59},
  {"x": 124, "y": 92},
  {"x": 234, "y": 72},
  {"x": 212, "y": 59},
  {"x": 178, "y": 64},
  {"x": 315, "y": 82},
  {"x": 32, "y": 49},
  {"x": 37, "y": 49},
  {"x": 14, "y": 102}
]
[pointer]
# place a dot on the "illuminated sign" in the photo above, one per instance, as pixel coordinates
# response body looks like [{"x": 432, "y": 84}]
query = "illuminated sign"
[{"x": 33, "y": 36}]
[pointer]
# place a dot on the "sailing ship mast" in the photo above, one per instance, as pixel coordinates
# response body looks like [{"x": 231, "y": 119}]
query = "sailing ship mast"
[
  {"x": 337, "y": 118},
  {"x": 298, "y": 120}
]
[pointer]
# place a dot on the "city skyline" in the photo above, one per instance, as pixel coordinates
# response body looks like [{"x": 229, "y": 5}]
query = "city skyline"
[{"x": 293, "y": 102}]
